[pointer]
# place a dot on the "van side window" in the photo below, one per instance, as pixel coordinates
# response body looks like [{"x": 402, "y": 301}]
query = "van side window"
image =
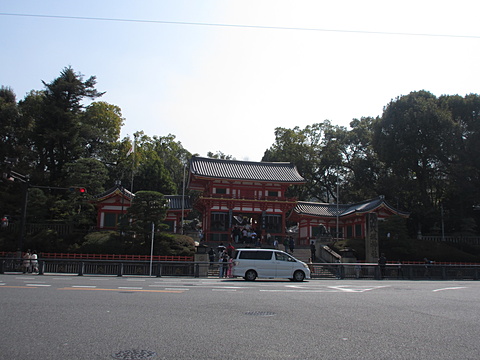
[
  {"x": 249, "y": 255},
  {"x": 264, "y": 255},
  {"x": 283, "y": 257}
]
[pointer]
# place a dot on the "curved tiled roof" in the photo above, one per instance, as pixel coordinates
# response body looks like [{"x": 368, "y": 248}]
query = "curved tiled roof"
[
  {"x": 112, "y": 191},
  {"x": 330, "y": 210},
  {"x": 174, "y": 202},
  {"x": 245, "y": 170}
]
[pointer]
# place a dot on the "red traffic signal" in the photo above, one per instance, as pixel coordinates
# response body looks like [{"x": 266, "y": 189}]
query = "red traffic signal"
[{"x": 78, "y": 189}]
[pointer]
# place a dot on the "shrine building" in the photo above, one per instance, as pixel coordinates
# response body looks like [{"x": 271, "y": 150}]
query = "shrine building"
[
  {"x": 234, "y": 194},
  {"x": 114, "y": 203},
  {"x": 244, "y": 194},
  {"x": 320, "y": 220}
]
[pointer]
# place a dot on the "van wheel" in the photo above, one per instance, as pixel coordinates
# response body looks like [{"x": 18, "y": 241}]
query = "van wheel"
[
  {"x": 250, "y": 275},
  {"x": 298, "y": 275}
]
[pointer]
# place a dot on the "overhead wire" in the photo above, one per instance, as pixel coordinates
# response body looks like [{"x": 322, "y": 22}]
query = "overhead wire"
[{"x": 264, "y": 27}]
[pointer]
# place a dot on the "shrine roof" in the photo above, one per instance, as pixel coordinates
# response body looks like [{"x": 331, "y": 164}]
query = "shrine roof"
[
  {"x": 331, "y": 210},
  {"x": 245, "y": 170},
  {"x": 174, "y": 202},
  {"x": 113, "y": 191}
]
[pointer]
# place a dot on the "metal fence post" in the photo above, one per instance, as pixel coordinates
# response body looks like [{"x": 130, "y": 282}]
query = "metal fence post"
[
  {"x": 2, "y": 264},
  {"x": 80, "y": 269},
  {"x": 41, "y": 267},
  {"x": 410, "y": 272}
]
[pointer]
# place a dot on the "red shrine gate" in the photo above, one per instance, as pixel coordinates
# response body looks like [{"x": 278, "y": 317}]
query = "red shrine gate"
[{"x": 242, "y": 195}]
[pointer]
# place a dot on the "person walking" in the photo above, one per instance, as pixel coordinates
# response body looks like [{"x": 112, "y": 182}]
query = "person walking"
[
  {"x": 34, "y": 262},
  {"x": 211, "y": 256},
  {"x": 26, "y": 262},
  {"x": 291, "y": 244},
  {"x": 313, "y": 251},
  {"x": 223, "y": 265}
]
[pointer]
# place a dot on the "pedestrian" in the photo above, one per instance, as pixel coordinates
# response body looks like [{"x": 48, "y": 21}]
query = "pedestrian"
[
  {"x": 427, "y": 267},
  {"x": 222, "y": 271},
  {"x": 339, "y": 269},
  {"x": 399, "y": 269},
  {"x": 254, "y": 237},
  {"x": 358, "y": 271},
  {"x": 382, "y": 262},
  {"x": 313, "y": 251},
  {"x": 291, "y": 244},
  {"x": 26, "y": 262},
  {"x": 275, "y": 243},
  {"x": 34, "y": 261},
  {"x": 285, "y": 243},
  {"x": 211, "y": 256},
  {"x": 230, "y": 250},
  {"x": 236, "y": 234},
  {"x": 269, "y": 239},
  {"x": 230, "y": 268}
]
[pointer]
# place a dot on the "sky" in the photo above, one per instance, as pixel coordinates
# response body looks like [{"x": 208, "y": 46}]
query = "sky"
[{"x": 221, "y": 75}]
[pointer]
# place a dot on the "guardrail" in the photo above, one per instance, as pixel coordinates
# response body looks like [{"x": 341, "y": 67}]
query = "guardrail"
[
  {"x": 349, "y": 271},
  {"x": 395, "y": 271},
  {"x": 101, "y": 267}
]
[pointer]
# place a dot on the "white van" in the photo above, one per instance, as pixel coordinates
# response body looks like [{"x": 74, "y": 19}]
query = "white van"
[{"x": 268, "y": 263}]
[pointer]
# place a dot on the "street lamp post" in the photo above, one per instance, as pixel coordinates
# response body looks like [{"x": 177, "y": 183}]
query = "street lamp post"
[{"x": 338, "y": 215}]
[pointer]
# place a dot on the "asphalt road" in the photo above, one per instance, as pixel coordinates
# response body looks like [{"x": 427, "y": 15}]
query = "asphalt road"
[{"x": 69, "y": 317}]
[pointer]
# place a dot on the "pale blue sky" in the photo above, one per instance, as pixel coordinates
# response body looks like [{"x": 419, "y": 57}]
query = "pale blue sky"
[{"x": 219, "y": 88}]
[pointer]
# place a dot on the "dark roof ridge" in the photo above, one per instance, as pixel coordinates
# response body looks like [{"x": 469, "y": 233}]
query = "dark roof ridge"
[
  {"x": 242, "y": 161},
  {"x": 380, "y": 197}
]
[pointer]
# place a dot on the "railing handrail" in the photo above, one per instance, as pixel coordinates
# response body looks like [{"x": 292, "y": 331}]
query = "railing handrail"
[{"x": 71, "y": 256}]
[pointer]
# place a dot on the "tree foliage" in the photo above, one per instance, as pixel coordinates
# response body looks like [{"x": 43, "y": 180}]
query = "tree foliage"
[{"x": 146, "y": 213}]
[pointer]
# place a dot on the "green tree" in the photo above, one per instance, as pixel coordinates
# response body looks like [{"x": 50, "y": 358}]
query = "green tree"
[
  {"x": 57, "y": 125},
  {"x": 148, "y": 207},
  {"x": 365, "y": 171},
  {"x": 219, "y": 155},
  {"x": 317, "y": 151},
  {"x": 89, "y": 173},
  {"x": 414, "y": 139},
  {"x": 100, "y": 130}
]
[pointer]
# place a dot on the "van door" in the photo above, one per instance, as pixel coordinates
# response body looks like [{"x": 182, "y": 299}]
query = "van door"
[
  {"x": 265, "y": 264},
  {"x": 284, "y": 265}
]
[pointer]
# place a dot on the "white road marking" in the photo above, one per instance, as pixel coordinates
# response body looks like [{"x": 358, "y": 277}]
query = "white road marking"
[
  {"x": 37, "y": 285},
  {"x": 353, "y": 288},
  {"x": 450, "y": 288},
  {"x": 224, "y": 289},
  {"x": 177, "y": 288},
  {"x": 130, "y": 287},
  {"x": 84, "y": 286}
]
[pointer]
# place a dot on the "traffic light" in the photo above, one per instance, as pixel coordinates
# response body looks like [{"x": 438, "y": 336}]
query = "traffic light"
[
  {"x": 4, "y": 221},
  {"x": 78, "y": 189}
]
